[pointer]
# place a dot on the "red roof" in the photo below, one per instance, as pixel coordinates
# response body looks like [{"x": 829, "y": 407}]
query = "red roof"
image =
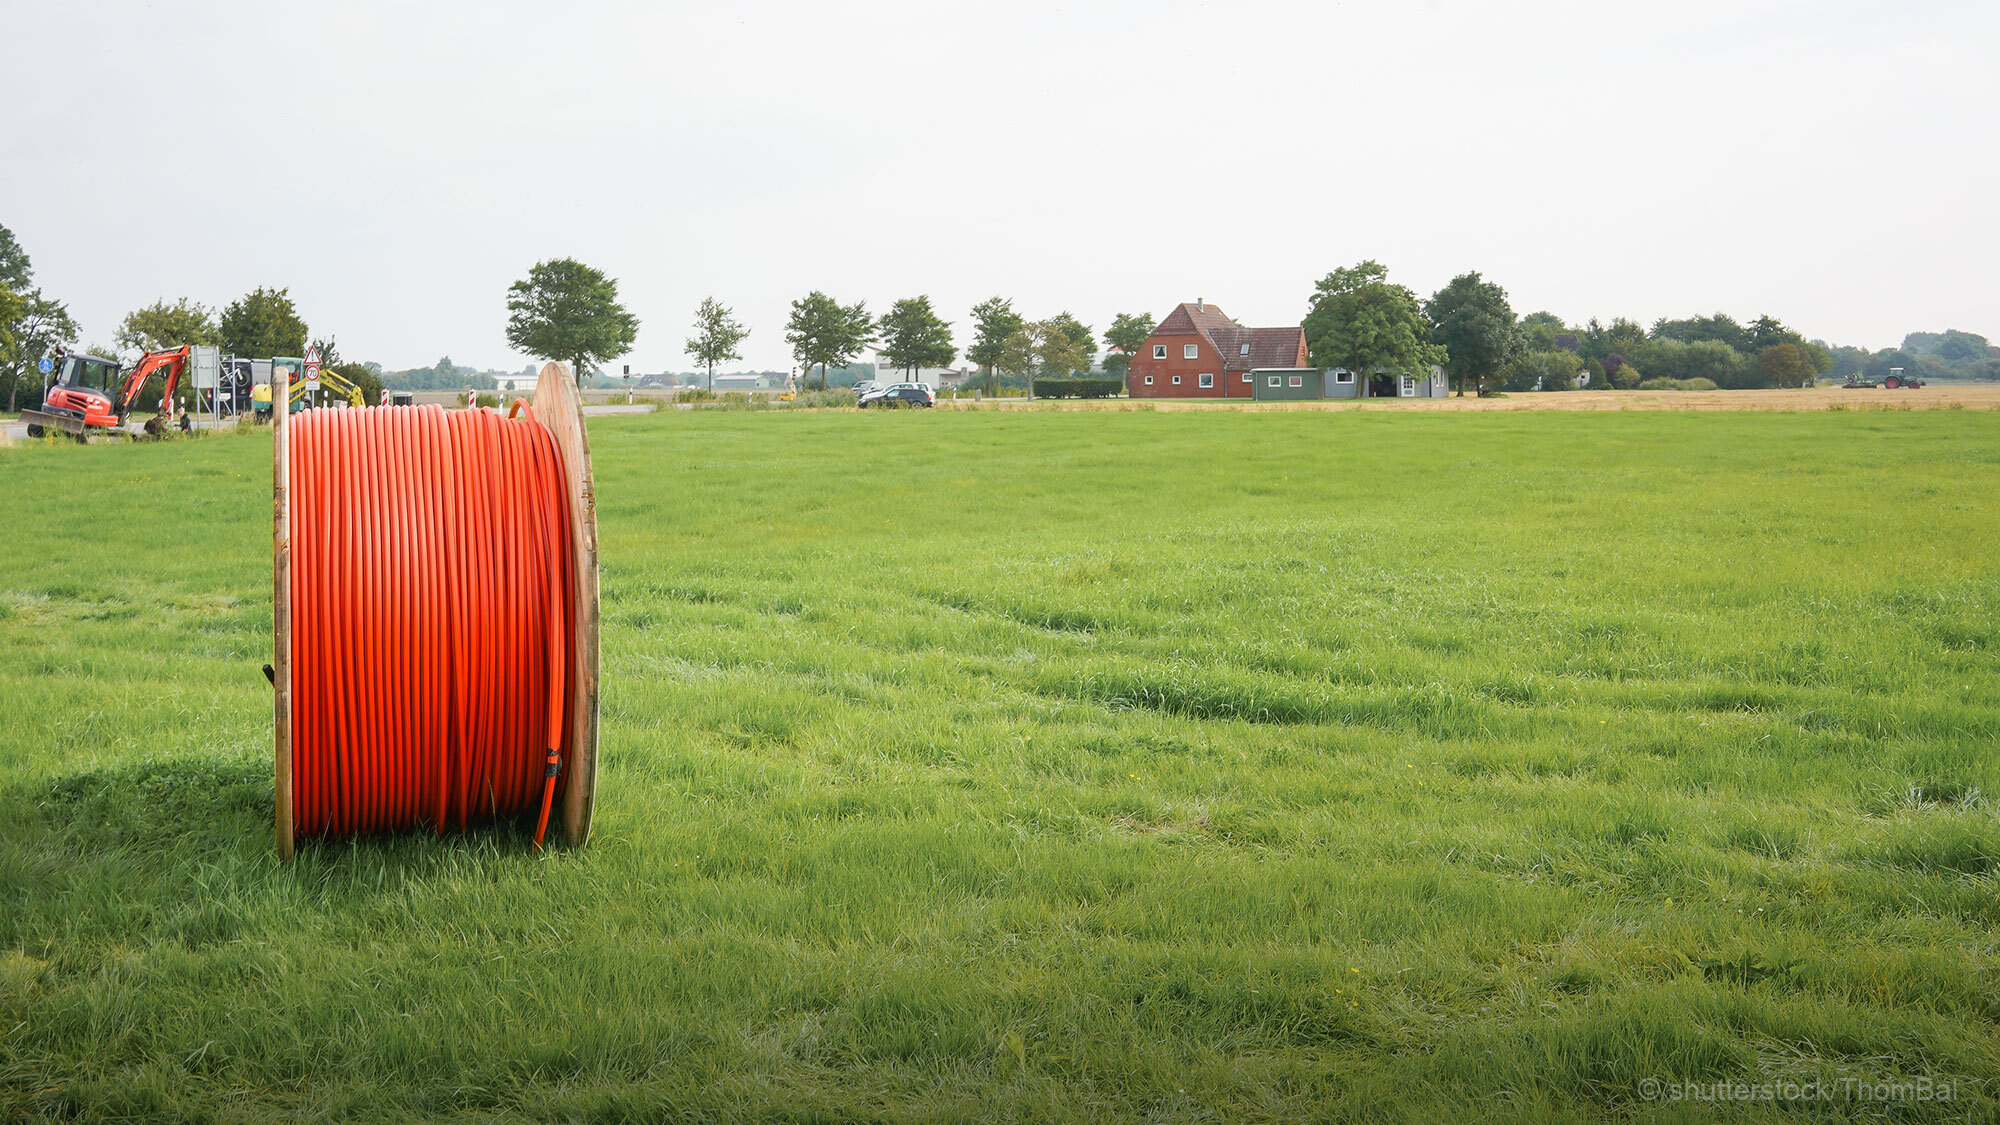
[{"x": 1268, "y": 347}]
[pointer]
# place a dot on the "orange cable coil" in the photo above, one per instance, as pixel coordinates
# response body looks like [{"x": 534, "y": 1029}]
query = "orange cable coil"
[{"x": 433, "y": 623}]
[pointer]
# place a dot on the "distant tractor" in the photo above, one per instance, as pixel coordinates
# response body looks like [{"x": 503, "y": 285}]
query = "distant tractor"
[{"x": 1899, "y": 381}]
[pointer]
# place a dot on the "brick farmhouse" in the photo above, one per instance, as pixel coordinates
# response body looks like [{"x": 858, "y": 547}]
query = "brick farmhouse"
[{"x": 1197, "y": 352}]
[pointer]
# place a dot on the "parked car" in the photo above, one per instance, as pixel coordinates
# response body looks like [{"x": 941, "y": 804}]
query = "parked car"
[
  {"x": 899, "y": 394},
  {"x": 863, "y": 387}
]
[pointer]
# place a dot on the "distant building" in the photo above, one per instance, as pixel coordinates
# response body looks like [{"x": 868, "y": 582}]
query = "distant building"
[
  {"x": 1284, "y": 384},
  {"x": 932, "y": 377},
  {"x": 1198, "y": 352}
]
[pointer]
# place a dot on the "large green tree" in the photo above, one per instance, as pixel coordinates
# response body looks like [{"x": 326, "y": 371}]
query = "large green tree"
[
  {"x": 1127, "y": 334},
  {"x": 263, "y": 323},
  {"x": 1717, "y": 361},
  {"x": 38, "y": 326},
  {"x": 1044, "y": 347},
  {"x": 160, "y": 326},
  {"x": 994, "y": 321},
  {"x": 824, "y": 333},
  {"x": 1359, "y": 320},
  {"x": 16, "y": 271},
  {"x": 716, "y": 335},
  {"x": 1765, "y": 331},
  {"x": 32, "y": 324},
  {"x": 1785, "y": 364},
  {"x": 1720, "y": 328},
  {"x": 1472, "y": 321},
  {"x": 1599, "y": 341},
  {"x": 565, "y": 310},
  {"x": 914, "y": 336},
  {"x": 1954, "y": 346},
  {"x": 13, "y": 306},
  {"x": 1543, "y": 331},
  {"x": 1080, "y": 337},
  {"x": 364, "y": 378}
]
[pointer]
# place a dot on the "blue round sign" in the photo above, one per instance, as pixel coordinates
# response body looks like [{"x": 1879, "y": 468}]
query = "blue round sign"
[{"x": 47, "y": 365}]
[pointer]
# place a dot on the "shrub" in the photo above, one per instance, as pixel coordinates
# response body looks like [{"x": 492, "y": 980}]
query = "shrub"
[
  {"x": 485, "y": 399},
  {"x": 1084, "y": 387},
  {"x": 1720, "y": 364},
  {"x": 694, "y": 394},
  {"x": 1677, "y": 385}
]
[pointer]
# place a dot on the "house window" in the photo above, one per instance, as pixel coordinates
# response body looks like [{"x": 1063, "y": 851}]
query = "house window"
[
  {"x": 1159, "y": 351},
  {"x": 1276, "y": 381},
  {"x": 1205, "y": 380},
  {"x": 1343, "y": 376},
  {"x": 1149, "y": 380},
  {"x": 1189, "y": 351},
  {"x": 1297, "y": 381},
  {"x": 1247, "y": 378},
  {"x": 1177, "y": 380},
  {"x": 1244, "y": 350}
]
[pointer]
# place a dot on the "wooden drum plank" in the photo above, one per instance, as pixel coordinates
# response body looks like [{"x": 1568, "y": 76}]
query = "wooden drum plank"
[
  {"x": 281, "y": 603},
  {"x": 559, "y": 407}
]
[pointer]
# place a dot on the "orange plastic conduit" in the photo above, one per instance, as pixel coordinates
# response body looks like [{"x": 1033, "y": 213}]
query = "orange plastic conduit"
[{"x": 432, "y": 619}]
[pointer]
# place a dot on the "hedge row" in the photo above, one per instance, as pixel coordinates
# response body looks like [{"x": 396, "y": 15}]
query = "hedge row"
[
  {"x": 1698, "y": 383},
  {"x": 1078, "y": 388}
]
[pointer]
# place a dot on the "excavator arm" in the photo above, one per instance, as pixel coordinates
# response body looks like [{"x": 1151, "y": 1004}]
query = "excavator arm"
[
  {"x": 338, "y": 384},
  {"x": 174, "y": 361}
]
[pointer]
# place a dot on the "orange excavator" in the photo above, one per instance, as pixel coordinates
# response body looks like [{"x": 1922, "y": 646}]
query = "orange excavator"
[{"x": 89, "y": 394}]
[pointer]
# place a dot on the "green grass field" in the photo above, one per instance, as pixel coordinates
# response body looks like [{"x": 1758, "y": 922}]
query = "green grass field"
[{"x": 1066, "y": 766}]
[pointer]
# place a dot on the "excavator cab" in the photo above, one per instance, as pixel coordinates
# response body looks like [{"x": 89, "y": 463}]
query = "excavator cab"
[
  {"x": 88, "y": 372},
  {"x": 80, "y": 396}
]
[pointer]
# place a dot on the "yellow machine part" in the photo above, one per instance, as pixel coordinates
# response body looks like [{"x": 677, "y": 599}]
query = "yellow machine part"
[{"x": 328, "y": 381}]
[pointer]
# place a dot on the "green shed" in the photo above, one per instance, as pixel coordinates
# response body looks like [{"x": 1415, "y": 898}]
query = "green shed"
[{"x": 1285, "y": 384}]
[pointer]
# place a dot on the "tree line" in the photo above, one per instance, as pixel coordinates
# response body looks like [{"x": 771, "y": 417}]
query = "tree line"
[
  {"x": 1356, "y": 318},
  {"x": 1360, "y": 320},
  {"x": 566, "y": 310},
  {"x": 263, "y": 323}
]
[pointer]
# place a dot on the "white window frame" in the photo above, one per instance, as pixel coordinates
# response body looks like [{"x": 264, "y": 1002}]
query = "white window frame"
[
  {"x": 1275, "y": 380},
  {"x": 1177, "y": 380},
  {"x": 1149, "y": 380},
  {"x": 1159, "y": 351},
  {"x": 1248, "y": 378},
  {"x": 1295, "y": 380},
  {"x": 1205, "y": 379},
  {"x": 1190, "y": 351},
  {"x": 1343, "y": 378}
]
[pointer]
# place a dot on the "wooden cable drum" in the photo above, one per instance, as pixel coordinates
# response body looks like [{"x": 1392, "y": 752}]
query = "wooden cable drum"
[{"x": 434, "y": 606}]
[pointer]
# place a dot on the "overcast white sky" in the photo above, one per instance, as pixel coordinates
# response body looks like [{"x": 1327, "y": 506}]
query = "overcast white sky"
[{"x": 1834, "y": 163}]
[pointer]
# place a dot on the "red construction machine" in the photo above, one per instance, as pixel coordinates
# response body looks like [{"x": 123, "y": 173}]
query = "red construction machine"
[{"x": 89, "y": 394}]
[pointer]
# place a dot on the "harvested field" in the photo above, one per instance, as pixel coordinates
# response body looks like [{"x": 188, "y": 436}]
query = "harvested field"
[{"x": 1952, "y": 396}]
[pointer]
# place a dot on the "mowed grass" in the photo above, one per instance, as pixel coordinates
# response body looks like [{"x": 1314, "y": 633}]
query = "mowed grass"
[{"x": 1066, "y": 766}]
